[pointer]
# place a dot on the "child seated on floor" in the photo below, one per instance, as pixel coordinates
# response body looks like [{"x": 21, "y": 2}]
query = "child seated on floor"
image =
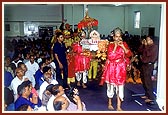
[{"x": 133, "y": 73}]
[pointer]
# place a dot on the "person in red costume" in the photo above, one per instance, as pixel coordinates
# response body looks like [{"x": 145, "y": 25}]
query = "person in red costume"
[
  {"x": 114, "y": 74},
  {"x": 71, "y": 64},
  {"x": 82, "y": 59}
]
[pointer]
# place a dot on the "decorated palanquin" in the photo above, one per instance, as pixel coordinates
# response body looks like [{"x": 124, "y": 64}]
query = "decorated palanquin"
[
  {"x": 87, "y": 22},
  {"x": 95, "y": 44},
  {"x": 97, "y": 48},
  {"x": 92, "y": 44}
]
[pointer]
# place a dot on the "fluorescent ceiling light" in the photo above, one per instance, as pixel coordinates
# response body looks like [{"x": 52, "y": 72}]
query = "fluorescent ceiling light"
[{"x": 118, "y": 4}]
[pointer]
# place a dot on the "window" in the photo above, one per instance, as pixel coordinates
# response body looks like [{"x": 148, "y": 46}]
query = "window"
[
  {"x": 137, "y": 19},
  {"x": 7, "y": 27}
]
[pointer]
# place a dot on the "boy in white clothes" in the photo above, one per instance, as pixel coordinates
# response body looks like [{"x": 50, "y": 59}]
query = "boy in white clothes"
[{"x": 32, "y": 65}]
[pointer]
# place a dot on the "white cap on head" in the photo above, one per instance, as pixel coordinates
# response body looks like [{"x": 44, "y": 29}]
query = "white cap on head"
[
  {"x": 117, "y": 30},
  {"x": 95, "y": 34}
]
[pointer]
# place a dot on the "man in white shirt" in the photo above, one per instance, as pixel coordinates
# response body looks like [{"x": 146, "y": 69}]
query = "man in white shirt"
[
  {"x": 32, "y": 65},
  {"x": 47, "y": 76},
  {"x": 28, "y": 73},
  {"x": 17, "y": 81},
  {"x": 58, "y": 91},
  {"x": 16, "y": 61}
]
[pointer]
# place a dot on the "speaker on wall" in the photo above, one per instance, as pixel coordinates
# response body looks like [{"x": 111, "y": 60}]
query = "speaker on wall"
[{"x": 148, "y": 31}]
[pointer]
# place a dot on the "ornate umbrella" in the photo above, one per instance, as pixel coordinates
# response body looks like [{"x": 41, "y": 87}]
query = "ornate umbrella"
[{"x": 87, "y": 22}]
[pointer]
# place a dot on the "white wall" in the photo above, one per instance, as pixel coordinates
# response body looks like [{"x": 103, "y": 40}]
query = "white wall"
[
  {"x": 108, "y": 16},
  {"x": 161, "y": 82},
  {"x": 150, "y": 17},
  {"x": 73, "y": 13},
  {"x": 32, "y": 12},
  {"x": 14, "y": 29},
  {"x": 20, "y": 16}
]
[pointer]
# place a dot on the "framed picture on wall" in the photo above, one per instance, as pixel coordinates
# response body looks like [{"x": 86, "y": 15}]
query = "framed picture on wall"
[{"x": 31, "y": 28}]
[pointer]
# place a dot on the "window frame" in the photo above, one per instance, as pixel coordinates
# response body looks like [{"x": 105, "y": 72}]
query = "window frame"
[{"x": 137, "y": 18}]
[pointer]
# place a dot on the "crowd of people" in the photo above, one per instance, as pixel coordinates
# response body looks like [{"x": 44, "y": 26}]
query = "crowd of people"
[{"x": 39, "y": 73}]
